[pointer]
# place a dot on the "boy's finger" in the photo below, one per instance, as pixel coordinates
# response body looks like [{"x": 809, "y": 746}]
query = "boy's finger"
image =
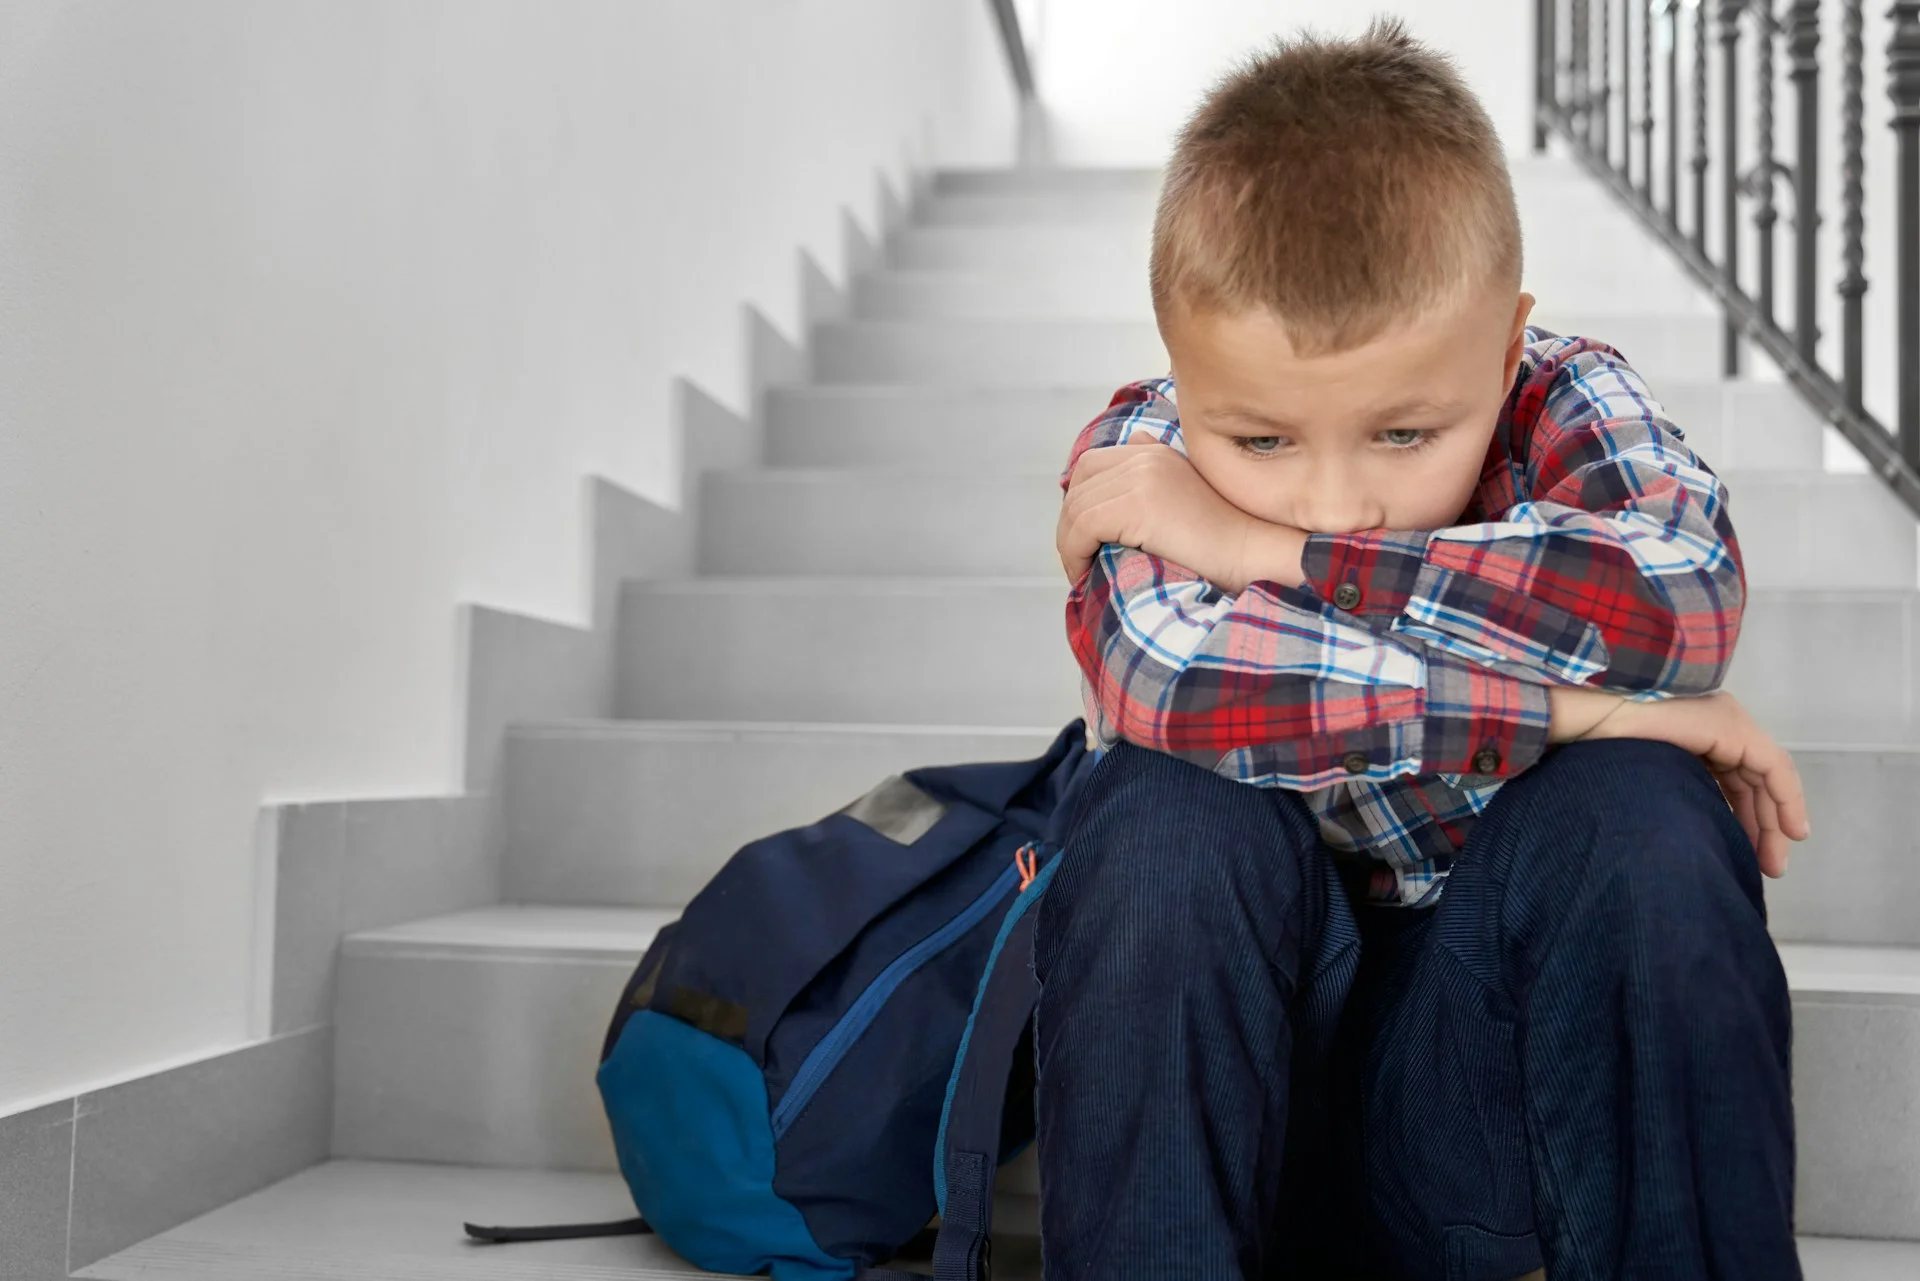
[
  {"x": 1740, "y": 799},
  {"x": 1773, "y": 842}
]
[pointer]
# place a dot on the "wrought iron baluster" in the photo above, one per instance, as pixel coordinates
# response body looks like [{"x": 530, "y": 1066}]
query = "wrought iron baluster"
[
  {"x": 1603, "y": 94},
  {"x": 1626, "y": 90},
  {"x": 1646, "y": 101},
  {"x": 1765, "y": 167},
  {"x": 1700, "y": 126},
  {"x": 1803, "y": 49},
  {"x": 1903, "y": 86},
  {"x": 1673, "y": 113},
  {"x": 1730, "y": 11},
  {"x": 1853, "y": 168},
  {"x": 1580, "y": 78},
  {"x": 1544, "y": 55}
]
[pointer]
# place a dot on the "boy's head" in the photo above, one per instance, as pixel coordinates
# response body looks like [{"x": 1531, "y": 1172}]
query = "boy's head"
[{"x": 1336, "y": 276}]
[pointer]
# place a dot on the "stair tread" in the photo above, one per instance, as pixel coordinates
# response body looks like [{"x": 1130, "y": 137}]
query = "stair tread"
[
  {"x": 344, "y": 1220},
  {"x": 1686, "y": 307},
  {"x": 884, "y": 584},
  {"x": 978, "y": 471},
  {"x": 615, "y": 727},
  {"x": 1852, "y": 968},
  {"x": 523, "y": 930},
  {"x": 535, "y": 930},
  {"x": 643, "y": 726}
]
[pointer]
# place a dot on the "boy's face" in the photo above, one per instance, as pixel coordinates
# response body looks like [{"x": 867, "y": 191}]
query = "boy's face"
[{"x": 1391, "y": 435}]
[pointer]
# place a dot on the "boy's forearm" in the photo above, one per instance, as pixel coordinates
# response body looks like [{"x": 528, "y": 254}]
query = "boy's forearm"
[
  {"x": 1269, "y": 553},
  {"x": 1575, "y": 709}
]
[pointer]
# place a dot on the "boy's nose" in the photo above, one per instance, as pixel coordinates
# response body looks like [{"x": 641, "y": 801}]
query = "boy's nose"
[{"x": 1327, "y": 509}]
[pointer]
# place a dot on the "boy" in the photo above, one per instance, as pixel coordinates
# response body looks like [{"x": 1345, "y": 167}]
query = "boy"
[{"x": 1383, "y": 548}]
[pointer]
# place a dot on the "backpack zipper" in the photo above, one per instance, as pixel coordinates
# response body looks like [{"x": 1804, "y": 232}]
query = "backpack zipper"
[{"x": 832, "y": 1047}]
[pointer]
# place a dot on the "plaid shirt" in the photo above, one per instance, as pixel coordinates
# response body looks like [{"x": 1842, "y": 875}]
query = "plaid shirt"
[{"x": 1608, "y": 560}]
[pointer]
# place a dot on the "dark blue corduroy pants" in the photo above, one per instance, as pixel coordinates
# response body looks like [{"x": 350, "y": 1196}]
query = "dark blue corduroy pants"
[{"x": 1579, "y": 1059}]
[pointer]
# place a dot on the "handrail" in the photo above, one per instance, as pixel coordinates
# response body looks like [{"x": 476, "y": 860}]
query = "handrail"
[
  {"x": 1574, "y": 94},
  {"x": 1016, "y": 46}
]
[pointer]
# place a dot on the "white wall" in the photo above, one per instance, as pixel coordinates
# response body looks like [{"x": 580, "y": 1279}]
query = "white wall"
[
  {"x": 312, "y": 316},
  {"x": 1119, "y": 77}
]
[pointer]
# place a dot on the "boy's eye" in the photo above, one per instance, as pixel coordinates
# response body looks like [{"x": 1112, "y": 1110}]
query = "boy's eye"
[
  {"x": 1417, "y": 437},
  {"x": 1260, "y": 444}
]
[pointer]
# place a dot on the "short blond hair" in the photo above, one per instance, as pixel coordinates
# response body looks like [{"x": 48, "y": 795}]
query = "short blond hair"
[{"x": 1343, "y": 185}]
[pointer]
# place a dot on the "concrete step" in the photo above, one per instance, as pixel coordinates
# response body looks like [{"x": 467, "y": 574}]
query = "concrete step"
[
  {"x": 893, "y": 425},
  {"x": 967, "y": 520},
  {"x": 1041, "y": 353},
  {"x": 472, "y": 1039},
  {"x": 469, "y": 1038},
  {"x": 1634, "y": 274},
  {"x": 1082, "y": 195},
  {"x": 923, "y": 651},
  {"x": 644, "y": 812},
  {"x": 1046, "y": 181},
  {"x": 1051, "y": 353},
  {"x": 1814, "y": 666},
  {"x": 1530, "y": 173},
  {"x": 1745, "y": 424},
  {"x": 348, "y": 1220}
]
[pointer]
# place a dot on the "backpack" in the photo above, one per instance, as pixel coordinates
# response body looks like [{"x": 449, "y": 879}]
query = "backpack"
[{"x": 833, "y": 1042}]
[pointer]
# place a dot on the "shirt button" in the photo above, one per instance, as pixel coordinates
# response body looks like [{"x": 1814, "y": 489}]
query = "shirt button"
[
  {"x": 1486, "y": 761},
  {"x": 1355, "y": 762},
  {"x": 1346, "y": 595}
]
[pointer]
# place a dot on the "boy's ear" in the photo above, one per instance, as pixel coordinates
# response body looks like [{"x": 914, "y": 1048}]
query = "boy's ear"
[{"x": 1517, "y": 340}]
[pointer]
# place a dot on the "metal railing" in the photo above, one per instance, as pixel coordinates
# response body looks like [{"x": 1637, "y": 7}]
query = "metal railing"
[
  {"x": 1591, "y": 94},
  {"x": 1015, "y": 42}
]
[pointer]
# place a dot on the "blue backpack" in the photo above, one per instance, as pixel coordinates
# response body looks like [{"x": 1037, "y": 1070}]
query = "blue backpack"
[{"x": 834, "y": 1042}]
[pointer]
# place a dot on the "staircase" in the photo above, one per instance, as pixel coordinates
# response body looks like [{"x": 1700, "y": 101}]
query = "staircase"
[{"x": 833, "y": 636}]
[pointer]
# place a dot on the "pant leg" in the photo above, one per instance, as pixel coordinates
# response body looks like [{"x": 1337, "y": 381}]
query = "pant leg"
[
  {"x": 1596, "y": 1002},
  {"x": 1193, "y": 946}
]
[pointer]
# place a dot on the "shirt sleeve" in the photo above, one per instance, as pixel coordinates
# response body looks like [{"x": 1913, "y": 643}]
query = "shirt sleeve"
[
  {"x": 1271, "y": 685},
  {"x": 1618, "y": 568}
]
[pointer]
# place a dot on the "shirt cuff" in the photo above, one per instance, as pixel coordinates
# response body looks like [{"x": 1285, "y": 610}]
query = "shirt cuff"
[
  {"x": 1481, "y": 722},
  {"x": 1366, "y": 573}
]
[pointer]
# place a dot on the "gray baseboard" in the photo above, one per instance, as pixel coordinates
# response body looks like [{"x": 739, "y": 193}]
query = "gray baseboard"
[{"x": 92, "y": 1175}]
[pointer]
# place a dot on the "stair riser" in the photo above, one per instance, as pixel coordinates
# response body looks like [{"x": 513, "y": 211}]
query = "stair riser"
[
  {"x": 1021, "y": 183},
  {"x": 1542, "y": 178},
  {"x": 1856, "y": 1089},
  {"x": 1023, "y": 429},
  {"x": 472, "y": 1060},
  {"x": 637, "y": 819},
  {"x": 575, "y": 802},
  {"x": 1053, "y": 353},
  {"x": 1812, "y": 667},
  {"x": 1831, "y": 531},
  {"x": 1755, "y": 427},
  {"x": 1129, "y": 205},
  {"x": 973, "y": 656},
  {"x": 1039, "y": 354},
  {"x": 1639, "y": 278},
  {"x": 490, "y": 1061}
]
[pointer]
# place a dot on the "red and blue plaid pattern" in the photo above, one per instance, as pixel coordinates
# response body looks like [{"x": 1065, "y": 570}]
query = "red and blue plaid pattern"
[{"x": 1596, "y": 550}]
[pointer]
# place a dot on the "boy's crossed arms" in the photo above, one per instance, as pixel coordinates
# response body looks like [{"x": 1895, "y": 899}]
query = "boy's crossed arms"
[{"x": 1167, "y": 527}]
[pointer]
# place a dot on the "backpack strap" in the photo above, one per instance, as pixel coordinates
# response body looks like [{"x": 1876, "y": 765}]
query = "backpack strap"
[
  {"x": 921, "y": 1244},
  {"x": 967, "y": 1154},
  {"x": 561, "y": 1231}
]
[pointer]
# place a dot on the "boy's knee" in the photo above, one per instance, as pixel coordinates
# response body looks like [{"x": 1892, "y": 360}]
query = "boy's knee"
[
  {"x": 1161, "y": 848},
  {"x": 1648, "y": 812}
]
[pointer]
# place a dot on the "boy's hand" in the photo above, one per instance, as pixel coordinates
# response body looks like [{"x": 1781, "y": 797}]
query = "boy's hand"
[
  {"x": 1756, "y": 774},
  {"x": 1146, "y": 494}
]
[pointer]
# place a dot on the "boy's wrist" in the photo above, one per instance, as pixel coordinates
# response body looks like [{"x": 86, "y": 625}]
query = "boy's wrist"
[
  {"x": 1574, "y": 710},
  {"x": 1269, "y": 553}
]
